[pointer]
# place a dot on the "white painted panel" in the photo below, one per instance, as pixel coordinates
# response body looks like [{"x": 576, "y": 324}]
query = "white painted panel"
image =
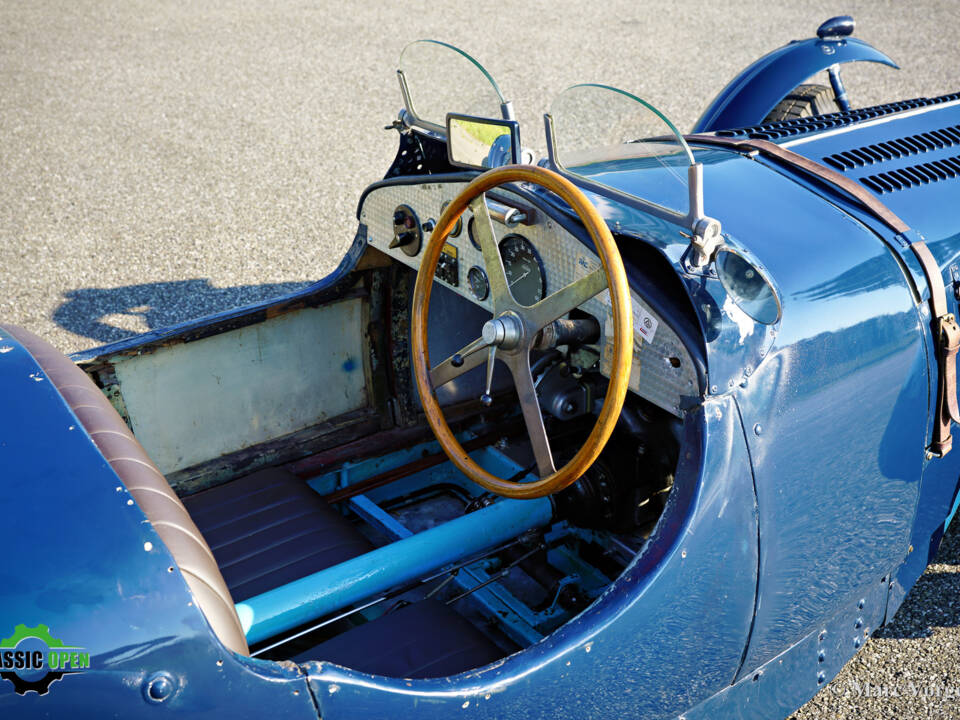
[{"x": 200, "y": 400}]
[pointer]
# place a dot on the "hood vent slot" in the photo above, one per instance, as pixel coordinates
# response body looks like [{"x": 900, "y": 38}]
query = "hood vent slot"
[
  {"x": 914, "y": 175},
  {"x": 799, "y": 126},
  {"x": 895, "y": 149}
]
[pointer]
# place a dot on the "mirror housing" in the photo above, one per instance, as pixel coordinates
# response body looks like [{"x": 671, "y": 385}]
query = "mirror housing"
[{"x": 482, "y": 143}]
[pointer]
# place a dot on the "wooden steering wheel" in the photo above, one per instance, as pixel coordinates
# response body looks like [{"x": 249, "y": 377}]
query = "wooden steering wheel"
[{"x": 512, "y": 332}]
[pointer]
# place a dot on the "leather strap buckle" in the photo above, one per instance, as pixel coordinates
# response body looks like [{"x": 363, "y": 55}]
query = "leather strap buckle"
[{"x": 948, "y": 337}]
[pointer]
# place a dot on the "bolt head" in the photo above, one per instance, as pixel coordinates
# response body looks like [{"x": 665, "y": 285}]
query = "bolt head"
[{"x": 159, "y": 687}]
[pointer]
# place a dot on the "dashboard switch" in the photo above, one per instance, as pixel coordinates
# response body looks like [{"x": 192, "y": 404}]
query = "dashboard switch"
[{"x": 407, "y": 234}]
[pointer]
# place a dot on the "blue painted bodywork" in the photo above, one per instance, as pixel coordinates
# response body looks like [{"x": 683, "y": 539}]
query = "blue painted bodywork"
[
  {"x": 78, "y": 563},
  {"x": 802, "y": 510},
  {"x": 758, "y": 88}
]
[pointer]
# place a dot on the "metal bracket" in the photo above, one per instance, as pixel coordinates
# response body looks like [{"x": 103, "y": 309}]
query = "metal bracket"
[{"x": 704, "y": 242}]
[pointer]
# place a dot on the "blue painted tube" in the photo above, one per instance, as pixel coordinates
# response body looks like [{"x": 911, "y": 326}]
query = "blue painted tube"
[
  {"x": 403, "y": 561},
  {"x": 956, "y": 506}
]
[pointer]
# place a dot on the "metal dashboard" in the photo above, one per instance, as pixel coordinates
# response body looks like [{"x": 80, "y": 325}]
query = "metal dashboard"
[{"x": 662, "y": 370}]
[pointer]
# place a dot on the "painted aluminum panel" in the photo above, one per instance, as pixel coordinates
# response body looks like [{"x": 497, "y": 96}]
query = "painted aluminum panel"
[
  {"x": 927, "y": 206},
  {"x": 839, "y": 389},
  {"x": 750, "y": 96},
  {"x": 785, "y": 682},
  {"x": 930, "y": 208},
  {"x": 836, "y": 410}
]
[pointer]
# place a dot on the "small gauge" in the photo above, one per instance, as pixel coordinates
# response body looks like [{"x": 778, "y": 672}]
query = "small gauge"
[
  {"x": 472, "y": 233},
  {"x": 456, "y": 228},
  {"x": 479, "y": 285},
  {"x": 524, "y": 269}
]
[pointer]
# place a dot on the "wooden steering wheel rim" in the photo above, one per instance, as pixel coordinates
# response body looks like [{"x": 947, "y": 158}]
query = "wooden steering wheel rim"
[{"x": 622, "y": 337}]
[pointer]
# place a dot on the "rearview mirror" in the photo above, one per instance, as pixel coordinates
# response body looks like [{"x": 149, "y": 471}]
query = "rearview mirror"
[{"x": 482, "y": 143}]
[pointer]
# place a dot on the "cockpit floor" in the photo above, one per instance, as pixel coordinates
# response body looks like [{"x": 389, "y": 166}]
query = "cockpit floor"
[
  {"x": 425, "y": 639},
  {"x": 271, "y": 528}
]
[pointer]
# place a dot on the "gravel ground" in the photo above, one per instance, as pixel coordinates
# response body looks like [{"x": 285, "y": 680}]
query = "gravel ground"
[{"x": 163, "y": 160}]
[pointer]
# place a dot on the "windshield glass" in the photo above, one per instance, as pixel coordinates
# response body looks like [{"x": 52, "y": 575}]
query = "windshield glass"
[
  {"x": 604, "y": 134},
  {"x": 441, "y": 78}
]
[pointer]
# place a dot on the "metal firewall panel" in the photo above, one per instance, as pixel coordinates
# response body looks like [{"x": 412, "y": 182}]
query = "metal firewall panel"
[{"x": 196, "y": 401}]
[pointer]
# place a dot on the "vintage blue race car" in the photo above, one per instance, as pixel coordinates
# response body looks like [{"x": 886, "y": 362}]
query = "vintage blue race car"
[{"x": 653, "y": 426}]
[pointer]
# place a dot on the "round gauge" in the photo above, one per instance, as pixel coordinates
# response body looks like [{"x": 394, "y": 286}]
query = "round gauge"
[
  {"x": 471, "y": 233},
  {"x": 524, "y": 270},
  {"x": 479, "y": 285},
  {"x": 456, "y": 228}
]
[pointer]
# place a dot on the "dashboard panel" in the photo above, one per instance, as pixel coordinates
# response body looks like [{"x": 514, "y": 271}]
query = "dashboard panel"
[{"x": 540, "y": 251}]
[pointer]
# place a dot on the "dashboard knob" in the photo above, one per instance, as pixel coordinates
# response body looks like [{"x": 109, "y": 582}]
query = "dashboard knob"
[{"x": 406, "y": 231}]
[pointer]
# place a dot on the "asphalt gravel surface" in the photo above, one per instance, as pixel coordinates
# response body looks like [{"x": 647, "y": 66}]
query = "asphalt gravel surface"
[{"x": 163, "y": 160}]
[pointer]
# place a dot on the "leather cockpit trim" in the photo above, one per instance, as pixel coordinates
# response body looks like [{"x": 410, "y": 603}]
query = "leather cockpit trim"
[{"x": 146, "y": 485}]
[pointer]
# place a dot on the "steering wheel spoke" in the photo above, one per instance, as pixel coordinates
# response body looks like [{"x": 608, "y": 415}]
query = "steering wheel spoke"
[
  {"x": 457, "y": 364},
  {"x": 519, "y": 364},
  {"x": 566, "y": 299},
  {"x": 496, "y": 275}
]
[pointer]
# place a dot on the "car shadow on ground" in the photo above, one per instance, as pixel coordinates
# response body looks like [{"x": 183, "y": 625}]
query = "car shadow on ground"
[
  {"x": 111, "y": 314},
  {"x": 931, "y": 602}
]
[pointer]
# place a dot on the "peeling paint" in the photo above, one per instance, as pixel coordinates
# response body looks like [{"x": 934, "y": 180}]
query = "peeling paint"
[{"x": 744, "y": 322}]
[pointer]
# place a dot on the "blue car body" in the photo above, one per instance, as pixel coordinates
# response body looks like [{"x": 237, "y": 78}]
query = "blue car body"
[{"x": 804, "y": 506}]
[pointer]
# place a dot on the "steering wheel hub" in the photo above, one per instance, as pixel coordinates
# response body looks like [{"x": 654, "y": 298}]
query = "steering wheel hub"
[{"x": 504, "y": 332}]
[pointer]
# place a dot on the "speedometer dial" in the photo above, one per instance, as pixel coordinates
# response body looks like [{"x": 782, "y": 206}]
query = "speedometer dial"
[{"x": 524, "y": 269}]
